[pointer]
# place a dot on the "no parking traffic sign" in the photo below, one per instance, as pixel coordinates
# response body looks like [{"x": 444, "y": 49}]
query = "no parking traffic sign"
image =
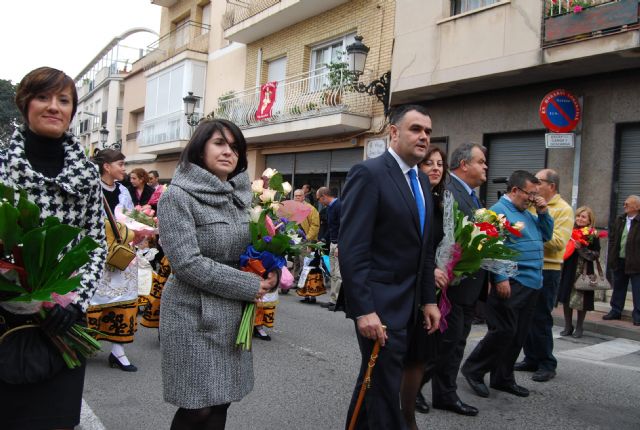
[{"x": 560, "y": 111}]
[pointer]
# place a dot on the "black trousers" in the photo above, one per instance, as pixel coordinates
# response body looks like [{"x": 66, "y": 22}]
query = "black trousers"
[
  {"x": 450, "y": 351},
  {"x": 381, "y": 406},
  {"x": 509, "y": 321}
]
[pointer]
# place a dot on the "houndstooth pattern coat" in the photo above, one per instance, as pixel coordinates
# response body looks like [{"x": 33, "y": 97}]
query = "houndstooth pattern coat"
[
  {"x": 74, "y": 196},
  {"x": 204, "y": 227}
]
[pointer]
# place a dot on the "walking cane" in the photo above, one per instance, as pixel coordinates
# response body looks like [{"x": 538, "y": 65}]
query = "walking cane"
[{"x": 366, "y": 383}]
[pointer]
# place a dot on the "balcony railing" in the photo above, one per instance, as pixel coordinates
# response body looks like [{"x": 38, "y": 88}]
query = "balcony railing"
[
  {"x": 164, "y": 129},
  {"x": 191, "y": 35},
  {"x": 240, "y": 10},
  {"x": 300, "y": 97},
  {"x": 568, "y": 21}
]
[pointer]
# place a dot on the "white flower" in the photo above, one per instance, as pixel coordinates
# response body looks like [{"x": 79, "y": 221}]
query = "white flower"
[
  {"x": 480, "y": 212},
  {"x": 255, "y": 213},
  {"x": 257, "y": 186},
  {"x": 267, "y": 195},
  {"x": 296, "y": 239},
  {"x": 519, "y": 226},
  {"x": 269, "y": 172},
  {"x": 286, "y": 187},
  {"x": 275, "y": 206}
]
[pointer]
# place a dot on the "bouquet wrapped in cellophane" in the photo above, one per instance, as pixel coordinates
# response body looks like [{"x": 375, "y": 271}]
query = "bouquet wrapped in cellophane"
[
  {"x": 275, "y": 234},
  {"x": 469, "y": 246},
  {"x": 37, "y": 270}
]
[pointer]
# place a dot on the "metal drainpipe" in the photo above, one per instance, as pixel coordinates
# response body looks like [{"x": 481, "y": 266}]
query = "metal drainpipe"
[{"x": 576, "y": 158}]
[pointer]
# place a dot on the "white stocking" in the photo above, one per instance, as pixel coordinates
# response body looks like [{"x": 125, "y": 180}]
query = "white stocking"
[{"x": 118, "y": 350}]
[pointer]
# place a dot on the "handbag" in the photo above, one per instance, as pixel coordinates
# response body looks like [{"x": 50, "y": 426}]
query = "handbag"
[
  {"x": 27, "y": 355},
  {"x": 119, "y": 253},
  {"x": 594, "y": 282}
]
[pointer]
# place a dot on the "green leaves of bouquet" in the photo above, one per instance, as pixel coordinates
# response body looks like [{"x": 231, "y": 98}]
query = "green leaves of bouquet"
[{"x": 31, "y": 251}]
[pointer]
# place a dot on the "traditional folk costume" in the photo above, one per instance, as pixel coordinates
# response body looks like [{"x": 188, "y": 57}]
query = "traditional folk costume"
[
  {"x": 114, "y": 306},
  {"x": 151, "y": 313},
  {"x": 311, "y": 282}
]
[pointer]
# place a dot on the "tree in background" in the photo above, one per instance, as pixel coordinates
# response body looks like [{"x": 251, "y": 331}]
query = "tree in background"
[{"x": 9, "y": 113}]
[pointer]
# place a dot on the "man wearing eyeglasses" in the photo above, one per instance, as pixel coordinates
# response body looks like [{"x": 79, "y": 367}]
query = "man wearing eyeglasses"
[
  {"x": 511, "y": 301},
  {"x": 538, "y": 348}
]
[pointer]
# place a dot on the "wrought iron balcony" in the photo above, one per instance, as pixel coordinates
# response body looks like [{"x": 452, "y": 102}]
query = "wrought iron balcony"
[
  {"x": 569, "y": 21},
  {"x": 191, "y": 36},
  {"x": 310, "y": 95}
]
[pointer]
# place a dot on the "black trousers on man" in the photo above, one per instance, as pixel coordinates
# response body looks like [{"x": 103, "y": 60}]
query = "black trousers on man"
[
  {"x": 381, "y": 406},
  {"x": 450, "y": 351},
  {"x": 509, "y": 321}
]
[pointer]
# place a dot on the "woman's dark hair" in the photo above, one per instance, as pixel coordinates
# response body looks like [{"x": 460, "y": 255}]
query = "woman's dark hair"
[
  {"x": 43, "y": 80},
  {"x": 140, "y": 173},
  {"x": 194, "y": 151},
  {"x": 106, "y": 156},
  {"x": 438, "y": 189}
]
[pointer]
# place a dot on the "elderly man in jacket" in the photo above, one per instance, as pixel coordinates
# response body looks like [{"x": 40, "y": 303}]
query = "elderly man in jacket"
[{"x": 624, "y": 259}]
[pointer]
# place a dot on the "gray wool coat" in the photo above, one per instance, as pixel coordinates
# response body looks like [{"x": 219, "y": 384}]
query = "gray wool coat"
[{"x": 204, "y": 227}]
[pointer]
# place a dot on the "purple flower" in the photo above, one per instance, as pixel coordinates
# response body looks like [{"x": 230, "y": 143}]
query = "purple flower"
[
  {"x": 267, "y": 239},
  {"x": 284, "y": 220}
]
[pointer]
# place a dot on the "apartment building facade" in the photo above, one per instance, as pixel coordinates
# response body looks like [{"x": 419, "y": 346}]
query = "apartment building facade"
[
  {"x": 317, "y": 126},
  {"x": 484, "y": 67},
  {"x": 100, "y": 87}
]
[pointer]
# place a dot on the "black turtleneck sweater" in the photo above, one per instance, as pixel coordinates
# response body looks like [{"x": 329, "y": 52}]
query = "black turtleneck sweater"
[{"x": 46, "y": 155}]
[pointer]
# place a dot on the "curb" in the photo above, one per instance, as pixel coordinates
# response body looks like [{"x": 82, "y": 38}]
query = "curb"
[{"x": 604, "y": 328}]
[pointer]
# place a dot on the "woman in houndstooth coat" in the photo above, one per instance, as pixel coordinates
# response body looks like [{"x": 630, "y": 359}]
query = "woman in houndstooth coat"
[{"x": 204, "y": 225}]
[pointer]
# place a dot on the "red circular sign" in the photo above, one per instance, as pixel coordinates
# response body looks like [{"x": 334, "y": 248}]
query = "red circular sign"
[{"x": 560, "y": 111}]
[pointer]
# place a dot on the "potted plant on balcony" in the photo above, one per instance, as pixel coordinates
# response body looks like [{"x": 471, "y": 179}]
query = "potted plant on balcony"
[
  {"x": 223, "y": 109},
  {"x": 339, "y": 80}
]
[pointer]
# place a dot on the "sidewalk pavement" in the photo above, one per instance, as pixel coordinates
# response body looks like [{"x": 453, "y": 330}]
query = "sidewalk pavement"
[{"x": 594, "y": 323}]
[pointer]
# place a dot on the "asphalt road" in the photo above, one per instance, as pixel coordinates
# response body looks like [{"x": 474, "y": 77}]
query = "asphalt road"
[{"x": 305, "y": 376}]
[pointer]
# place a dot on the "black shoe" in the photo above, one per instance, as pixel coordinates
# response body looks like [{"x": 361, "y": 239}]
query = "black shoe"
[
  {"x": 284, "y": 291},
  {"x": 542, "y": 375},
  {"x": 114, "y": 362},
  {"x": 331, "y": 307},
  {"x": 326, "y": 304},
  {"x": 611, "y": 316},
  {"x": 305, "y": 300},
  {"x": 257, "y": 334},
  {"x": 512, "y": 388},
  {"x": 312, "y": 300},
  {"x": 457, "y": 407},
  {"x": 578, "y": 333},
  {"x": 567, "y": 331},
  {"x": 477, "y": 385},
  {"x": 421, "y": 404},
  {"x": 524, "y": 366}
]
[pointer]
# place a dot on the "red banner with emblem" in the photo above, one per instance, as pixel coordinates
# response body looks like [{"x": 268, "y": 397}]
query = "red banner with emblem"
[{"x": 267, "y": 99}]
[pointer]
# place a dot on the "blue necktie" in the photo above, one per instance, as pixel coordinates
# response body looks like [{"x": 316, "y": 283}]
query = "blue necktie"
[
  {"x": 475, "y": 199},
  {"x": 415, "y": 187}
]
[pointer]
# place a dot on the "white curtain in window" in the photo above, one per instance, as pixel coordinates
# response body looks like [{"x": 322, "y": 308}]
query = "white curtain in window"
[{"x": 467, "y": 5}]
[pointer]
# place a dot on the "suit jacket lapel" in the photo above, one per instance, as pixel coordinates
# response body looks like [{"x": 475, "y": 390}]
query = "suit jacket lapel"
[
  {"x": 467, "y": 201},
  {"x": 403, "y": 187}
]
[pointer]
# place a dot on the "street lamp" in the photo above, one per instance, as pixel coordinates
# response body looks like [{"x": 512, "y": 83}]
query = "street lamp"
[
  {"x": 104, "y": 135},
  {"x": 190, "y": 104},
  {"x": 379, "y": 87}
]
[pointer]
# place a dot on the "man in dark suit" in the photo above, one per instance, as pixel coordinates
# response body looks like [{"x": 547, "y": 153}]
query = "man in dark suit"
[
  {"x": 386, "y": 260},
  {"x": 328, "y": 198},
  {"x": 468, "y": 171}
]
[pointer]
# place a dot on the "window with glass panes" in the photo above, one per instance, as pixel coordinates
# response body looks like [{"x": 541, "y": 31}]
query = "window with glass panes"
[
  {"x": 462, "y": 6},
  {"x": 321, "y": 55}
]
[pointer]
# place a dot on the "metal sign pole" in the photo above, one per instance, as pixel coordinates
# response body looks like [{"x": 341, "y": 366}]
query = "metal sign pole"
[{"x": 576, "y": 160}]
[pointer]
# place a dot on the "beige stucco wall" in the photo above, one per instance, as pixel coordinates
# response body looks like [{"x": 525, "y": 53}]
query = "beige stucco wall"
[
  {"x": 135, "y": 86},
  {"x": 499, "y": 38}
]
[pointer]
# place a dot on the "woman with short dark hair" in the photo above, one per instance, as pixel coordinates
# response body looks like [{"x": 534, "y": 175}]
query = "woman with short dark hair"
[
  {"x": 204, "y": 225},
  {"x": 49, "y": 164}
]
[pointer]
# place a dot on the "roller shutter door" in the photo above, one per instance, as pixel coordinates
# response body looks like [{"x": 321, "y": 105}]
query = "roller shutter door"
[
  {"x": 343, "y": 159},
  {"x": 629, "y": 165},
  {"x": 283, "y": 163},
  {"x": 509, "y": 152}
]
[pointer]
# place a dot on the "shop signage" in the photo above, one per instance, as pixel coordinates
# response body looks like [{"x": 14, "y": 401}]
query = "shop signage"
[
  {"x": 376, "y": 147},
  {"x": 560, "y": 111},
  {"x": 559, "y": 140}
]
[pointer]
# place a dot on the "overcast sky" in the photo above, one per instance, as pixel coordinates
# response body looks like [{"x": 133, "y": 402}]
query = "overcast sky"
[{"x": 65, "y": 34}]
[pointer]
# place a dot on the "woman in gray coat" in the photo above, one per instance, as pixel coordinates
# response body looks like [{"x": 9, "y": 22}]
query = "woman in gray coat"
[{"x": 204, "y": 226}]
